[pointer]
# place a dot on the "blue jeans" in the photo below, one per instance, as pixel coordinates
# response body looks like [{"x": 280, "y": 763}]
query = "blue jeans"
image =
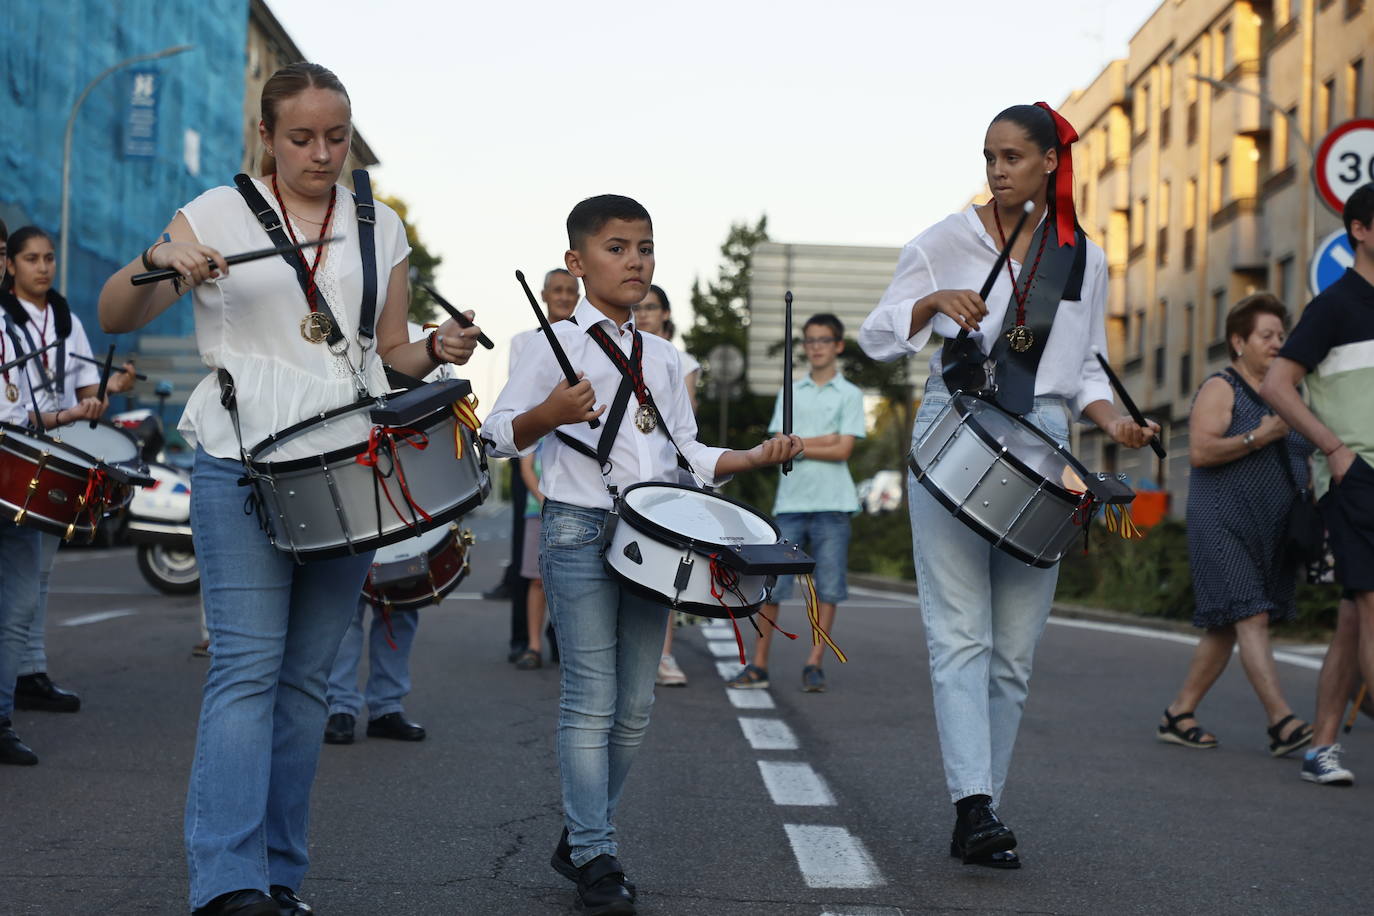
[
  {"x": 825, "y": 536},
  {"x": 20, "y": 562},
  {"x": 34, "y": 659},
  {"x": 274, "y": 630},
  {"x": 983, "y": 612},
  {"x": 609, "y": 641},
  {"x": 388, "y": 669}
]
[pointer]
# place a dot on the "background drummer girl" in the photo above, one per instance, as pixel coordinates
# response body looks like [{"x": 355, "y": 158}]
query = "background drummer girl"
[
  {"x": 983, "y": 610},
  {"x": 275, "y": 626}
]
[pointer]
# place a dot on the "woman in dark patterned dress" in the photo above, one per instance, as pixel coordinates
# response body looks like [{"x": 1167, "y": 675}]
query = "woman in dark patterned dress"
[{"x": 1239, "y": 496}]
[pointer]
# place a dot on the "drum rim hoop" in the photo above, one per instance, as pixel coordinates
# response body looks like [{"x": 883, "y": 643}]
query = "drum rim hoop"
[
  {"x": 443, "y": 589},
  {"x": 125, "y": 473},
  {"x": 989, "y": 440},
  {"x": 677, "y": 538},
  {"x": 337, "y": 455}
]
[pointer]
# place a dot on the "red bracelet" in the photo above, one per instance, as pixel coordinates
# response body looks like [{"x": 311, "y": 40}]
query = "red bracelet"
[
  {"x": 430, "y": 349},
  {"x": 1334, "y": 450}
]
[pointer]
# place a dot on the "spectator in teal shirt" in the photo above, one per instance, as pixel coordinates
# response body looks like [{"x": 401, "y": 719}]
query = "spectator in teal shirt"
[{"x": 815, "y": 501}]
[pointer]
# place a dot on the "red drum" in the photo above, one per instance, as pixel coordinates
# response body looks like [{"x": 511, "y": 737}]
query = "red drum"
[
  {"x": 56, "y": 482},
  {"x": 411, "y": 574}
]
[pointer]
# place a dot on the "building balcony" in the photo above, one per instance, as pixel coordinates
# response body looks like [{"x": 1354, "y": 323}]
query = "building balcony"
[
  {"x": 1248, "y": 112},
  {"x": 1114, "y": 184},
  {"x": 1239, "y": 232}
]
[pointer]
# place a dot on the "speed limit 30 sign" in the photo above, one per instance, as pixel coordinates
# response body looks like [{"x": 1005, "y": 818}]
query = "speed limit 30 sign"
[{"x": 1345, "y": 161}]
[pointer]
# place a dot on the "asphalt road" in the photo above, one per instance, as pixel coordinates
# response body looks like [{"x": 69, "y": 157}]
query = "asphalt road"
[{"x": 846, "y": 814}]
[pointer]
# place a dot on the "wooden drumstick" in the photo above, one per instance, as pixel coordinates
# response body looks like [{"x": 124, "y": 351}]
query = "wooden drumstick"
[
  {"x": 558, "y": 353},
  {"x": 787, "y": 376}
]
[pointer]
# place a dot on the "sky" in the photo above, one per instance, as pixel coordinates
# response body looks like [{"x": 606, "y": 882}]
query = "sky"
[{"x": 854, "y": 123}]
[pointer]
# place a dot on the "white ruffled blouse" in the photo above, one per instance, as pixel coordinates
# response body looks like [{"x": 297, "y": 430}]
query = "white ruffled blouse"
[{"x": 249, "y": 324}]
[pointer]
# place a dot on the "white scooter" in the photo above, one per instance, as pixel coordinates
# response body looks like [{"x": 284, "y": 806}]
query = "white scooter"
[{"x": 158, "y": 519}]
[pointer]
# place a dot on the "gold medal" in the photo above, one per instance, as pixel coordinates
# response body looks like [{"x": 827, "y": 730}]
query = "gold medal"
[
  {"x": 1021, "y": 338},
  {"x": 315, "y": 327},
  {"x": 646, "y": 419},
  {"x": 12, "y": 391}
]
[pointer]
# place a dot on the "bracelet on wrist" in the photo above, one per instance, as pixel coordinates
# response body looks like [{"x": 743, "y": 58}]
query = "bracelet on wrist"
[
  {"x": 1334, "y": 450},
  {"x": 430, "y": 349},
  {"x": 148, "y": 252}
]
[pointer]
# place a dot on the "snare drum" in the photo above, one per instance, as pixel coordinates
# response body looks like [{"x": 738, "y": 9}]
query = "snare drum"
[
  {"x": 66, "y": 481},
  {"x": 420, "y": 467},
  {"x": 695, "y": 551},
  {"x": 1008, "y": 481},
  {"x": 413, "y": 573}
]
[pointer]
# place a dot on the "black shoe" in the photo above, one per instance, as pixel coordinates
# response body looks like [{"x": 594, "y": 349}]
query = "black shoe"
[
  {"x": 978, "y": 834},
  {"x": 37, "y": 691},
  {"x": 1006, "y": 859},
  {"x": 12, "y": 750},
  {"x": 563, "y": 864},
  {"x": 516, "y": 651},
  {"x": 339, "y": 728},
  {"x": 394, "y": 725},
  {"x": 240, "y": 903},
  {"x": 290, "y": 904},
  {"x": 601, "y": 889}
]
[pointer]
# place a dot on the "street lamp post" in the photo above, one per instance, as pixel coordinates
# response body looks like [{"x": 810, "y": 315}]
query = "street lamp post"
[
  {"x": 1294, "y": 133},
  {"x": 63, "y": 231}
]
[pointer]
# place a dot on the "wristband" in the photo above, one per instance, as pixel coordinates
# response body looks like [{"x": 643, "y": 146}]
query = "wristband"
[
  {"x": 147, "y": 252},
  {"x": 430, "y": 349},
  {"x": 1334, "y": 450}
]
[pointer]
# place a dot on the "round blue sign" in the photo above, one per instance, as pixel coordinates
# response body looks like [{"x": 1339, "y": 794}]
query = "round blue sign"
[{"x": 1330, "y": 259}]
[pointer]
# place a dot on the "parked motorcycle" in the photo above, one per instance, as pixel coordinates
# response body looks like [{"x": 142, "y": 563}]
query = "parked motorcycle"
[{"x": 158, "y": 519}]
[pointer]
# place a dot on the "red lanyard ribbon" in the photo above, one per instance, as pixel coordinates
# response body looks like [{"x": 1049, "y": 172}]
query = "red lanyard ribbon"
[{"x": 632, "y": 367}]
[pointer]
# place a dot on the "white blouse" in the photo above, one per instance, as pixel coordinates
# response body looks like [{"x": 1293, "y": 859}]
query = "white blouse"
[
  {"x": 78, "y": 373},
  {"x": 957, "y": 253},
  {"x": 249, "y": 323}
]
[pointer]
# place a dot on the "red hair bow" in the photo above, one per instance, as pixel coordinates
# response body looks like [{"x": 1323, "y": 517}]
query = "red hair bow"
[{"x": 1065, "y": 218}]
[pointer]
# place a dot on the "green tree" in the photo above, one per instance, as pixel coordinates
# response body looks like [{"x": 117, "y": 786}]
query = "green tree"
[
  {"x": 423, "y": 263},
  {"x": 721, "y": 316}
]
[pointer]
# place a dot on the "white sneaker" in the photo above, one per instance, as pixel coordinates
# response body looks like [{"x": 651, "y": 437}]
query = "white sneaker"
[
  {"x": 1322, "y": 765},
  {"x": 669, "y": 674}
]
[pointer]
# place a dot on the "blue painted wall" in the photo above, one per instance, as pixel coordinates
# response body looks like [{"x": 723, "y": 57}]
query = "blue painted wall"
[{"x": 49, "y": 51}]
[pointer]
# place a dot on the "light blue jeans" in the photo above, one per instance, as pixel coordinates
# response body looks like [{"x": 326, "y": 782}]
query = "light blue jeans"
[
  {"x": 274, "y": 630},
  {"x": 388, "y": 669},
  {"x": 20, "y": 559},
  {"x": 34, "y": 659},
  {"x": 609, "y": 641},
  {"x": 983, "y": 612}
]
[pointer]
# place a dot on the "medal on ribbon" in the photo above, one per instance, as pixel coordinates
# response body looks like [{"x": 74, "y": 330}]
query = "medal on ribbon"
[
  {"x": 315, "y": 327},
  {"x": 646, "y": 418},
  {"x": 12, "y": 391}
]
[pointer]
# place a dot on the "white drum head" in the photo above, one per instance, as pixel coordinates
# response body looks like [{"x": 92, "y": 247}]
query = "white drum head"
[
  {"x": 42, "y": 444},
  {"x": 700, "y": 515},
  {"x": 104, "y": 443},
  {"x": 1023, "y": 441},
  {"x": 412, "y": 548}
]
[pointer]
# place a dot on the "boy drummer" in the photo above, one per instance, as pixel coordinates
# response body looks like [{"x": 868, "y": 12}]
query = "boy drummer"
[{"x": 609, "y": 638}]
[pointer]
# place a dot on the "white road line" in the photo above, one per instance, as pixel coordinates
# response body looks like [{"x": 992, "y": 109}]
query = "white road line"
[
  {"x": 749, "y": 699},
  {"x": 768, "y": 734},
  {"x": 729, "y": 669},
  {"x": 723, "y": 648},
  {"x": 97, "y": 617},
  {"x": 903, "y": 597},
  {"x": 794, "y": 783},
  {"x": 832, "y": 857},
  {"x": 865, "y": 911},
  {"x": 100, "y": 590},
  {"x": 1300, "y": 661}
]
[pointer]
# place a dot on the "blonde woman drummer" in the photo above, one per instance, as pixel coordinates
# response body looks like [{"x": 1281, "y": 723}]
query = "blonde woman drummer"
[
  {"x": 274, "y": 625},
  {"x": 984, "y": 610}
]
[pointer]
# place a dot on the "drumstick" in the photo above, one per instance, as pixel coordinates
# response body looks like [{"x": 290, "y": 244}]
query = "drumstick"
[
  {"x": 25, "y": 357},
  {"x": 1355, "y": 709},
  {"x": 1001, "y": 258},
  {"x": 138, "y": 375},
  {"x": 171, "y": 273},
  {"x": 104, "y": 381},
  {"x": 787, "y": 376},
  {"x": 456, "y": 315},
  {"x": 1127, "y": 402},
  {"x": 558, "y": 353}
]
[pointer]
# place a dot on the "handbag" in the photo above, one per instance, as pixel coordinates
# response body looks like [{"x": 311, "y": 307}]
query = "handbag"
[{"x": 1304, "y": 536}]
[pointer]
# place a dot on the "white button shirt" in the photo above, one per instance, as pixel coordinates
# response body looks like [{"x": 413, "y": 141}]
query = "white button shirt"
[
  {"x": 957, "y": 253},
  {"x": 569, "y": 476},
  {"x": 78, "y": 373}
]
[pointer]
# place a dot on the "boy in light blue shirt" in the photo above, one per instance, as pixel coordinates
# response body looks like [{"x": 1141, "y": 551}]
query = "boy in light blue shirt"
[{"x": 815, "y": 501}]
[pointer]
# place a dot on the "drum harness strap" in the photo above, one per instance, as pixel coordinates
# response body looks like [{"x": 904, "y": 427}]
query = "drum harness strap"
[{"x": 367, "y": 248}]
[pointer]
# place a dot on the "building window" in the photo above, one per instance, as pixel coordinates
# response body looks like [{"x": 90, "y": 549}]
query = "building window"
[
  {"x": 1285, "y": 277},
  {"x": 1354, "y": 85},
  {"x": 1227, "y": 50},
  {"x": 1162, "y": 221},
  {"x": 1221, "y": 182},
  {"x": 1326, "y": 97},
  {"x": 1138, "y": 223},
  {"x": 1140, "y": 334},
  {"x": 1185, "y": 359},
  {"x": 1219, "y": 314},
  {"x": 1141, "y": 109}
]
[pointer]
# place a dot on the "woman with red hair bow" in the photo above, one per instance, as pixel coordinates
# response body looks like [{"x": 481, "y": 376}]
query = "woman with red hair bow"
[{"x": 984, "y": 610}]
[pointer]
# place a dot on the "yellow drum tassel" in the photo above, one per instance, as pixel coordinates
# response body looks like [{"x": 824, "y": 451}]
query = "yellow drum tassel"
[{"x": 814, "y": 615}]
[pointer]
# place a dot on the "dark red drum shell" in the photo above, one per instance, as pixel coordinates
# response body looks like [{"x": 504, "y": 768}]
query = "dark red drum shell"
[
  {"x": 447, "y": 567},
  {"x": 38, "y": 506}
]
